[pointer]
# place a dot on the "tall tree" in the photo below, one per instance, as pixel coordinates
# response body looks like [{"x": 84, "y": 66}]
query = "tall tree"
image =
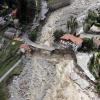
[{"x": 26, "y": 10}]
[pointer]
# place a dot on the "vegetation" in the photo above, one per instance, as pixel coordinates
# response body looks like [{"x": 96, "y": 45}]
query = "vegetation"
[
  {"x": 90, "y": 20},
  {"x": 94, "y": 68},
  {"x": 87, "y": 45},
  {"x": 33, "y": 35},
  {"x": 9, "y": 55},
  {"x": 72, "y": 25},
  {"x": 3, "y": 86},
  {"x": 57, "y": 34},
  {"x": 26, "y": 11}
]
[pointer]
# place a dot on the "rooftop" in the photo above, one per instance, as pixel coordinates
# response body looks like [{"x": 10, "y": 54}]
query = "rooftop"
[{"x": 72, "y": 38}]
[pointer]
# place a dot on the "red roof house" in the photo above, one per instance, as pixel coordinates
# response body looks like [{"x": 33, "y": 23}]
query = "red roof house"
[
  {"x": 71, "y": 41},
  {"x": 72, "y": 38}
]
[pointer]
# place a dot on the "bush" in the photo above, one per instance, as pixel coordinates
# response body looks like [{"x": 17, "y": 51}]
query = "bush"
[
  {"x": 57, "y": 34},
  {"x": 87, "y": 45},
  {"x": 33, "y": 35}
]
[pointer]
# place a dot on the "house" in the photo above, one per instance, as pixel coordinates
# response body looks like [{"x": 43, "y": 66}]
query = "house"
[
  {"x": 24, "y": 48},
  {"x": 96, "y": 42},
  {"x": 71, "y": 41}
]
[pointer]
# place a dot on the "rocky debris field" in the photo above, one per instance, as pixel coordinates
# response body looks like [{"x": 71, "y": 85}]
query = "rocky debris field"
[{"x": 54, "y": 77}]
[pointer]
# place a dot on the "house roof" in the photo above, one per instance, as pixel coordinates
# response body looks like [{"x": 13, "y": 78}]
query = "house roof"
[
  {"x": 24, "y": 46},
  {"x": 72, "y": 38},
  {"x": 96, "y": 41}
]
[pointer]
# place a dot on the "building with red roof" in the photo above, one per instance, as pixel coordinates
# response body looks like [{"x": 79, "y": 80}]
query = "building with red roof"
[{"x": 71, "y": 41}]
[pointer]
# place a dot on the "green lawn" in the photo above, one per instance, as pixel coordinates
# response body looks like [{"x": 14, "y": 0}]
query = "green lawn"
[{"x": 9, "y": 55}]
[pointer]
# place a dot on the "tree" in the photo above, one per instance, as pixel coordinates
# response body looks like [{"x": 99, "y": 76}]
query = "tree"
[
  {"x": 57, "y": 34},
  {"x": 72, "y": 25},
  {"x": 26, "y": 10},
  {"x": 33, "y": 35}
]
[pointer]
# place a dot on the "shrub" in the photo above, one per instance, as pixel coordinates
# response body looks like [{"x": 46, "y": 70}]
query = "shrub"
[
  {"x": 89, "y": 20},
  {"x": 87, "y": 45},
  {"x": 72, "y": 25},
  {"x": 57, "y": 34},
  {"x": 33, "y": 35}
]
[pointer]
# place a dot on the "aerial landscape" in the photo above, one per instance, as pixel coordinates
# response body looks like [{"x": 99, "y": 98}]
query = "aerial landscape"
[{"x": 49, "y": 49}]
